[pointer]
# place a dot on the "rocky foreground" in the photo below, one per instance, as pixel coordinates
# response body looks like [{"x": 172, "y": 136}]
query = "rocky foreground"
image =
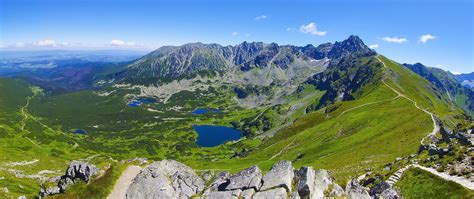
[{"x": 171, "y": 179}]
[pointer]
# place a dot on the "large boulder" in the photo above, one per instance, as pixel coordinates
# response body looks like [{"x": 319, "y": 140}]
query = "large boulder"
[
  {"x": 246, "y": 179},
  {"x": 277, "y": 193},
  {"x": 165, "y": 179},
  {"x": 280, "y": 175},
  {"x": 356, "y": 191}
]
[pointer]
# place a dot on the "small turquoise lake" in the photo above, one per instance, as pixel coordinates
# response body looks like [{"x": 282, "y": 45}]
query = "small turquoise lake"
[{"x": 209, "y": 135}]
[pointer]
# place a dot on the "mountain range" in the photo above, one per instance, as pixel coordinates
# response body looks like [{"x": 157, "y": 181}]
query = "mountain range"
[{"x": 370, "y": 122}]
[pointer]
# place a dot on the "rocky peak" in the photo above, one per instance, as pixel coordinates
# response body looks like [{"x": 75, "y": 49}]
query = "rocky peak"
[{"x": 352, "y": 45}]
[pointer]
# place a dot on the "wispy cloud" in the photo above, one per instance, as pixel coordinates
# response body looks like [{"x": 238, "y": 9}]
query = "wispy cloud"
[
  {"x": 312, "y": 29},
  {"x": 117, "y": 43},
  {"x": 398, "y": 40},
  {"x": 290, "y": 29},
  {"x": 248, "y": 35},
  {"x": 45, "y": 43},
  {"x": 261, "y": 17},
  {"x": 373, "y": 46},
  {"x": 234, "y": 33},
  {"x": 425, "y": 38}
]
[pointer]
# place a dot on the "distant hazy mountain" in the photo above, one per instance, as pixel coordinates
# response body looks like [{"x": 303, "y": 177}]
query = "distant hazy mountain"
[
  {"x": 53, "y": 58},
  {"x": 466, "y": 79}
]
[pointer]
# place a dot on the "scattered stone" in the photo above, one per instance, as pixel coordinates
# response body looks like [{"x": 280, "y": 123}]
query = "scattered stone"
[
  {"x": 22, "y": 197},
  {"x": 246, "y": 179},
  {"x": 356, "y": 191},
  {"x": 277, "y": 193},
  {"x": 280, "y": 175}
]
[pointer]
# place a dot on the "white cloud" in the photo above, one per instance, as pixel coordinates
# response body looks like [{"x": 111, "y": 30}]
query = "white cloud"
[
  {"x": 425, "y": 38},
  {"x": 439, "y": 65},
  {"x": 234, "y": 33},
  {"x": 398, "y": 40},
  {"x": 19, "y": 45},
  {"x": 117, "y": 42},
  {"x": 374, "y": 46},
  {"x": 261, "y": 17},
  {"x": 289, "y": 29},
  {"x": 45, "y": 43},
  {"x": 312, "y": 29},
  {"x": 248, "y": 35}
]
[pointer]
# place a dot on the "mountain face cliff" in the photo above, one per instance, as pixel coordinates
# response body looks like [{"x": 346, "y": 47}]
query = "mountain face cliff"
[
  {"x": 445, "y": 81},
  {"x": 170, "y": 62}
]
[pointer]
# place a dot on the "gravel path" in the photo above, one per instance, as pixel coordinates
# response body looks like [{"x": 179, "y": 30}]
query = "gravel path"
[
  {"x": 122, "y": 184},
  {"x": 457, "y": 179}
]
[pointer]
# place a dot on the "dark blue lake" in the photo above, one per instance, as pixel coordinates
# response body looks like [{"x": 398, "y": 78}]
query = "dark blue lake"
[
  {"x": 140, "y": 101},
  {"x": 80, "y": 131},
  {"x": 209, "y": 135},
  {"x": 201, "y": 111}
]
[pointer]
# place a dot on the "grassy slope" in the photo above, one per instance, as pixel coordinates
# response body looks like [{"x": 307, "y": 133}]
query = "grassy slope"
[
  {"x": 416, "y": 183},
  {"x": 356, "y": 135},
  {"x": 24, "y": 139}
]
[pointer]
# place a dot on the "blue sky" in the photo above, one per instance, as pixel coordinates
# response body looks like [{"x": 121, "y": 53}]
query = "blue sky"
[{"x": 395, "y": 26}]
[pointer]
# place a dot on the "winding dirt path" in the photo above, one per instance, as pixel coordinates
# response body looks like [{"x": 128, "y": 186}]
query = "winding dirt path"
[
  {"x": 436, "y": 127},
  {"x": 125, "y": 180},
  {"x": 457, "y": 179}
]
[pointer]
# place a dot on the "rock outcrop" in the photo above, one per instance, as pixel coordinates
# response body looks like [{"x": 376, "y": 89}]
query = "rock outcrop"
[
  {"x": 356, "y": 191},
  {"x": 76, "y": 171},
  {"x": 280, "y": 175},
  {"x": 246, "y": 179},
  {"x": 166, "y": 179}
]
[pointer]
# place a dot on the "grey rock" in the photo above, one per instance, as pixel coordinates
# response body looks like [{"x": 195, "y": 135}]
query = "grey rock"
[
  {"x": 248, "y": 178},
  {"x": 165, "y": 179},
  {"x": 81, "y": 170},
  {"x": 49, "y": 191},
  {"x": 65, "y": 182},
  {"x": 322, "y": 180},
  {"x": 295, "y": 195},
  {"x": 22, "y": 197},
  {"x": 277, "y": 193},
  {"x": 248, "y": 193},
  {"x": 305, "y": 182},
  {"x": 280, "y": 175},
  {"x": 77, "y": 170},
  {"x": 390, "y": 193},
  {"x": 221, "y": 180},
  {"x": 356, "y": 191},
  {"x": 337, "y": 191},
  {"x": 223, "y": 194}
]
